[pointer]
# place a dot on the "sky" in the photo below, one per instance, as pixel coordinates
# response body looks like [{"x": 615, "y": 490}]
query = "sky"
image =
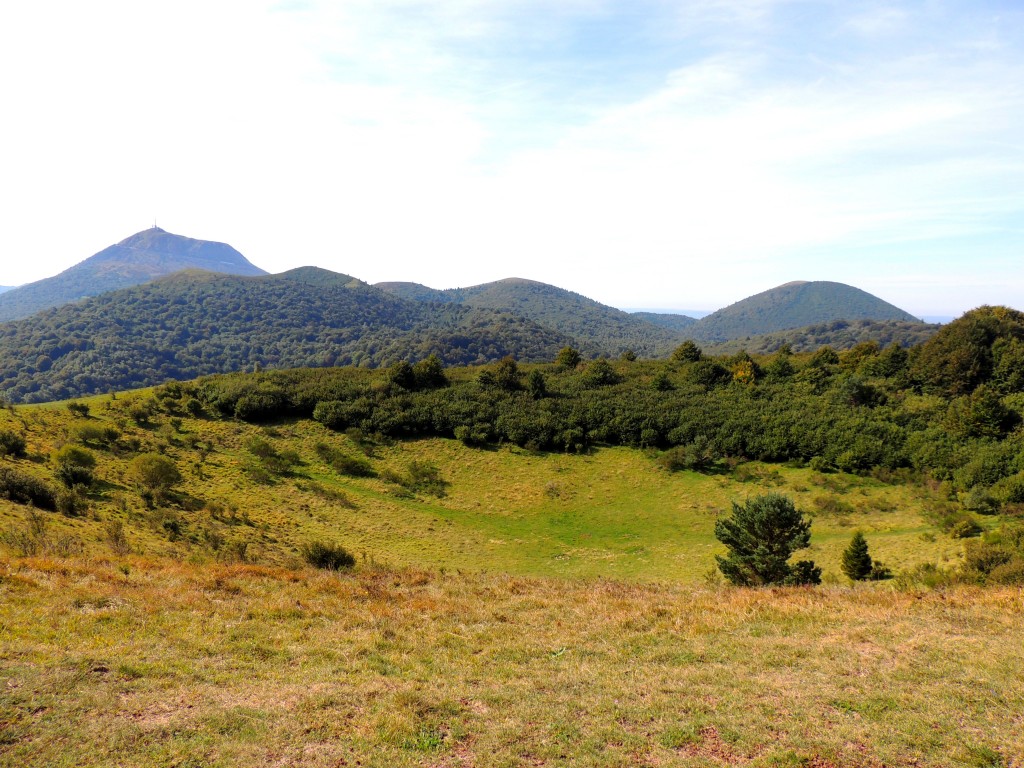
[{"x": 645, "y": 153}]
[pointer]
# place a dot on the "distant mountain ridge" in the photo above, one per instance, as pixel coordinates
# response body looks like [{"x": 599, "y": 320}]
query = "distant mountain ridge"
[
  {"x": 195, "y": 322},
  {"x": 595, "y": 328},
  {"x": 795, "y": 305},
  {"x": 138, "y": 259}
]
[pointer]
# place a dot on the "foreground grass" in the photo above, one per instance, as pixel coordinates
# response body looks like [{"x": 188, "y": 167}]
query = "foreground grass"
[{"x": 149, "y": 662}]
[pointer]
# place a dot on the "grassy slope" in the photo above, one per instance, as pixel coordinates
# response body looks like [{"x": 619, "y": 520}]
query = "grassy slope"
[
  {"x": 147, "y": 663},
  {"x": 164, "y": 657},
  {"x": 613, "y": 513}
]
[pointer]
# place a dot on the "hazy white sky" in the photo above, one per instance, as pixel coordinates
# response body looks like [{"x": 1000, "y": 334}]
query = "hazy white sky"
[{"x": 643, "y": 153}]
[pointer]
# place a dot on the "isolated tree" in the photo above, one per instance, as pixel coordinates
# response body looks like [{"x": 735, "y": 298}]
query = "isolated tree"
[
  {"x": 75, "y": 465},
  {"x": 856, "y": 561},
  {"x": 153, "y": 473},
  {"x": 506, "y": 374},
  {"x": 687, "y": 352},
  {"x": 429, "y": 373},
  {"x": 761, "y": 535},
  {"x": 568, "y": 357},
  {"x": 537, "y": 384},
  {"x": 402, "y": 375}
]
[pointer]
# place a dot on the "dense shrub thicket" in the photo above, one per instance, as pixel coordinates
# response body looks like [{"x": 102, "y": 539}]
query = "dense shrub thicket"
[{"x": 864, "y": 410}]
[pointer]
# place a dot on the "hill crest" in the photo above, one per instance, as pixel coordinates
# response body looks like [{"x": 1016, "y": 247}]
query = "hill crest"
[
  {"x": 793, "y": 305},
  {"x": 137, "y": 259}
]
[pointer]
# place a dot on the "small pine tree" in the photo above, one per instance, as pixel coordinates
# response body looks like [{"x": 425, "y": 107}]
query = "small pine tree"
[
  {"x": 760, "y": 536},
  {"x": 857, "y": 562}
]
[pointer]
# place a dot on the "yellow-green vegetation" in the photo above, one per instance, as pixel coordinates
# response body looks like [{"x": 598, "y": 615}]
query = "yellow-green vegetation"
[
  {"x": 260, "y": 493},
  {"x": 146, "y": 662},
  {"x": 507, "y": 607}
]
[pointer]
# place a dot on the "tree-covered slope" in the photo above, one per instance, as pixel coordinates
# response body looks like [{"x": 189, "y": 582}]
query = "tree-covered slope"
[
  {"x": 416, "y": 292},
  {"x": 671, "y": 321},
  {"x": 595, "y": 328},
  {"x": 983, "y": 347},
  {"x": 838, "y": 334},
  {"x": 140, "y": 258},
  {"x": 195, "y": 323},
  {"x": 794, "y": 305}
]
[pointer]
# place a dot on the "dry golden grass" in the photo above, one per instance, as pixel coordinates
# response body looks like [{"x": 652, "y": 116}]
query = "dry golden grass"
[{"x": 150, "y": 662}]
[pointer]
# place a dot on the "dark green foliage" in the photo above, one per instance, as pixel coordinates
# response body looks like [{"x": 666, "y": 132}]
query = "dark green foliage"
[
  {"x": 22, "y": 488},
  {"x": 344, "y": 463},
  {"x": 75, "y": 466},
  {"x": 568, "y": 357},
  {"x": 997, "y": 558},
  {"x": 856, "y": 561},
  {"x": 429, "y": 373},
  {"x": 698, "y": 455},
  {"x": 687, "y": 352},
  {"x": 829, "y": 412},
  {"x": 965, "y": 528},
  {"x": 188, "y": 325},
  {"x": 506, "y": 375},
  {"x": 71, "y": 502},
  {"x": 599, "y": 373},
  {"x": 12, "y": 444},
  {"x": 804, "y": 573},
  {"x": 838, "y": 334},
  {"x": 674, "y": 322},
  {"x": 153, "y": 473},
  {"x": 970, "y": 351},
  {"x": 327, "y": 556},
  {"x": 536, "y": 384},
  {"x": 760, "y": 536},
  {"x": 594, "y": 327},
  {"x": 270, "y": 459},
  {"x": 79, "y": 409},
  {"x": 402, "y": 375},
  {"x": 794, "y": 305}
]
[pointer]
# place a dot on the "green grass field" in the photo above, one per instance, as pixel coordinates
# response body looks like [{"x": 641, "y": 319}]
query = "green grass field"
[
  {"x": 543, "y": 610},
  {"x": 614, "y": 513}
]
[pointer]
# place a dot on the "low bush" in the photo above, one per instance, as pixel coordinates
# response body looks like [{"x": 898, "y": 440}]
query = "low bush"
[
  {"x": 22, "y": 488},
  {"x": 326, "y": 556},
  {"x": 12, "y": 444}
]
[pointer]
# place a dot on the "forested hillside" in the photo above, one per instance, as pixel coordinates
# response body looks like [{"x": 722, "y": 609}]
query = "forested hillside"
[
  {"x": 794, "y": 305},
  {"x": 666, "y": 320},
  {"x": 839, "y": 334},
  {"x": 191, "y": 324},
  {"x": 595, "y": 328}
]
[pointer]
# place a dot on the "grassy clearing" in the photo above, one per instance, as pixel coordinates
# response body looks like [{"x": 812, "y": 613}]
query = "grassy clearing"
[
  {"x": 613, "y": 513},
  {"x": 144, "y": 662}
]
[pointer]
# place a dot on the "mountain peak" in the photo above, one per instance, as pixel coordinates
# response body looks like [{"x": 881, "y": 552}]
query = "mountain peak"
[
  {"x": 139, "y": 258},
  {"x": 795, "y": 305}
]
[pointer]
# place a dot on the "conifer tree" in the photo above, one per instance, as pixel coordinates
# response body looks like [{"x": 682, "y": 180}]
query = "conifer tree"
[
  {"x": 761, "y": 535},
  {"x": 857, "y": 562}
]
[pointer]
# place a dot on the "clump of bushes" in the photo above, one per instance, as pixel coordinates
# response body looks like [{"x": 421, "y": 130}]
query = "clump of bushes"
[
  {"x": 344, "y": 463},
  {"x": 12, "y": 444},
  {"x": 327, "y": 556},
  {"x": 699, "y": 455},
  {"x": 75, "y": 466},
  {"x": 421, "y": 477},
  {"x": 271, "y": 462},
  {"x": 22, "y": 488}
]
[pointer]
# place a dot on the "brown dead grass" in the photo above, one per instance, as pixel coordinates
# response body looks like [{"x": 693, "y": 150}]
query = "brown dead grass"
[{"x": 176, "y": 664}]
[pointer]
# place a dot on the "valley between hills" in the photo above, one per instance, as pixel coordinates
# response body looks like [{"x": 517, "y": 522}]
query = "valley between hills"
[{"x": 297, "y": 519}]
